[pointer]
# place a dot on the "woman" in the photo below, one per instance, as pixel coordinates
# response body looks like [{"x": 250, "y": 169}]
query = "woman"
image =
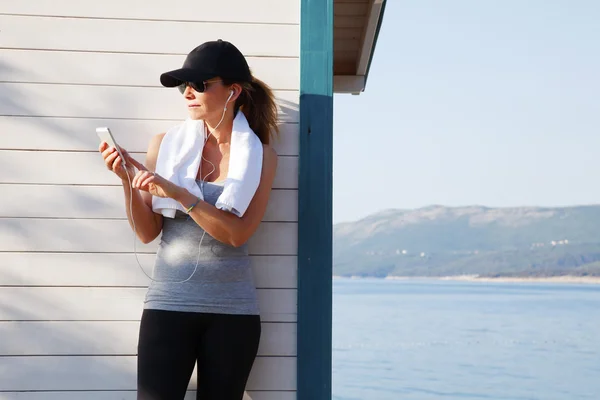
[{"x": 201, "y": 307}]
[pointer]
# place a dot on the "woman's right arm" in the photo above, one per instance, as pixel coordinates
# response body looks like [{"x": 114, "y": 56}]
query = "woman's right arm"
[{"x": 138, "y": 204}]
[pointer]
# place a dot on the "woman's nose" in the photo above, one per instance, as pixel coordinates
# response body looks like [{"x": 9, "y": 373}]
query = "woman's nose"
[{"x": 188, "y": 93}]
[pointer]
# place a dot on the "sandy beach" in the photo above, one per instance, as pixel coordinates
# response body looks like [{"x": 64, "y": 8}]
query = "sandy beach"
[
  {"x": 477, "y": 278},
  {"x": 549, "y": 279}
]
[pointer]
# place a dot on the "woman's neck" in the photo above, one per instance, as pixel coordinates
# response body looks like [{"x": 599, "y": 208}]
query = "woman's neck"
[{"x": 223, "y": 132}]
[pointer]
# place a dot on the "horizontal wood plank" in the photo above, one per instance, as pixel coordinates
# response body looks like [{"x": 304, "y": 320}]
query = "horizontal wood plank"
[
  {"x": 346, "y": 45},
  {"x": 345, "y": 68},
  {"x": 110, "y": 338},
  {"x": 104, "y": 202},
  {"x": 112, "y": 304},
  {"x": 279, "y": 12},
  {"x": 343, "y": 21},
  {"x": 119, "y": 373},
  {"x": 81, "y": 101},
  {"x": 357, "y": 9},
  {"x": 155, "y": 37},
  {"x": 129, "y": 395},
  {"x": 125, "y": 69},
  {"x": 78, "y": 134},
  {"x": 346, "y": 57},
  {"x": 355, "y": 34},
  {"x": 116, "y": 236},
  {"x": 79, "y": 168},
  {"x": 114, "y": 270}
]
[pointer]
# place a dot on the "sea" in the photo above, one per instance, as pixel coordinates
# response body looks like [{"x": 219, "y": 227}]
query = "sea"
[{"x": 439, "y": 339}]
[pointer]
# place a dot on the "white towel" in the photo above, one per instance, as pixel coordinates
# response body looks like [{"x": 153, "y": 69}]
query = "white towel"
[{"x": 179, "y": 159}]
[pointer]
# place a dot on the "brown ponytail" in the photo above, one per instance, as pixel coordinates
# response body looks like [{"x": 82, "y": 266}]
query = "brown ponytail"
[{"x": 257, "y": 102}]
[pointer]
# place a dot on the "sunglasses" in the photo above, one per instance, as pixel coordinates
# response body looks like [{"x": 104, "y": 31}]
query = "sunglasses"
[{"x": 199, "y": 87}]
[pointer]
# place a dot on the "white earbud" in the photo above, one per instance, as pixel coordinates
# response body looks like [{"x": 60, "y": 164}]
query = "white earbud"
[{"x": 231, "y": 93}]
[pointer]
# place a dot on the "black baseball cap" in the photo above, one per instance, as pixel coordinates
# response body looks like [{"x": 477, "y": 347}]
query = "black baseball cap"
[{"x": 209, "y": 60}]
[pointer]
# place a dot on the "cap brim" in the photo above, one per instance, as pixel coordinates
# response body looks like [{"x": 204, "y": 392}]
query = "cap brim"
[{"x": 178, "y": 76}]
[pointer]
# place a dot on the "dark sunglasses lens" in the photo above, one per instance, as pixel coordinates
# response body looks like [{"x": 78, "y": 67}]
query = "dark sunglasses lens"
[{"x": 197, "y": 86}]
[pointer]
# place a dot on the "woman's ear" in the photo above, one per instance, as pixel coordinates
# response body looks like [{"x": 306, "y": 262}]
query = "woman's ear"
[{"x": 237, "y": 91}]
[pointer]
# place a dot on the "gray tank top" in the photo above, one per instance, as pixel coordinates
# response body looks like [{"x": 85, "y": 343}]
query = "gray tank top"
[{"x": 223, "y": 282}]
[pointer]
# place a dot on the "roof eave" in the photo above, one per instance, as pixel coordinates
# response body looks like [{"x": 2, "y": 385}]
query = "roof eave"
[
  {"x": 372, "y": 50},
  {"x": 356, "y": 84}
]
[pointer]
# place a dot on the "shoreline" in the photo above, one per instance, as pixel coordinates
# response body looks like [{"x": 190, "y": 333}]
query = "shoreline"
[{"x": 476, "y": 278}]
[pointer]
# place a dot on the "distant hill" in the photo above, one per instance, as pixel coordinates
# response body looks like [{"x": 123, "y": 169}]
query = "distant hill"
[{"x": 475, "y": 240}]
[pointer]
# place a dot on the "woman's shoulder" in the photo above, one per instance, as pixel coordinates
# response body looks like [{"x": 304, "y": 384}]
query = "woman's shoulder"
[
  {"x": 269, "y": 157},
  {"x": 269, "y": 152},
  {"x": 157, "y": 138},
  {"x": 155, "y": 142},
  {"x": 153, "y": 148}
]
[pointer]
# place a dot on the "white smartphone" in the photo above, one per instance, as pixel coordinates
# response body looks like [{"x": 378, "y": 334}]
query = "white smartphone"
[{"x": 106, "y": 136}]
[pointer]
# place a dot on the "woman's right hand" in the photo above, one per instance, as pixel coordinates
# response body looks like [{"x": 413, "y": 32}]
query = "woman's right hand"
[{"x": 112, "y": 160}]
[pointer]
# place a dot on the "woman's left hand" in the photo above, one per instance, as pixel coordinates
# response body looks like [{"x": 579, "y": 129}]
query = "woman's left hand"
[{"x": 151, "y": 182}]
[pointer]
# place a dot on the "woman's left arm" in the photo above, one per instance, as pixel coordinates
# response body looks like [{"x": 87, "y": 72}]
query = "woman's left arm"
[{"x": 225, "y": 226}]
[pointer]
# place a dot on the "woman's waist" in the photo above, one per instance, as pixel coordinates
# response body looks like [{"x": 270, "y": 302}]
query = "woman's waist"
[
  {"x": 190, "y": 241},
  {"x": 208, "y": 264}
]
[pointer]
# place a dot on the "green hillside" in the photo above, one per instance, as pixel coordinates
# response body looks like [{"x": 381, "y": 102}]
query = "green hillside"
[{"x": 446, "y": 241}]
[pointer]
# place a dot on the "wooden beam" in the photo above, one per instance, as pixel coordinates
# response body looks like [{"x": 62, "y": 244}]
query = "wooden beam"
[
  {"x": 315, "y": 187},
  {"x": 348, "y": 83}
]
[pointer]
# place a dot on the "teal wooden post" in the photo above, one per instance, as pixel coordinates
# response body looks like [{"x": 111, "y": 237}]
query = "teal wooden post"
[{"x": 315, "y": 264}]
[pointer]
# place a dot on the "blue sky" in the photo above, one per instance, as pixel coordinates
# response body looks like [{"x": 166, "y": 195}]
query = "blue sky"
[{"x": 493, "y": 103}]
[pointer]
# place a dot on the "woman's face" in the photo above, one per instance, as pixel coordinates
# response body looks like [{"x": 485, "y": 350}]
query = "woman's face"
[{"x": 207, "y": 105}]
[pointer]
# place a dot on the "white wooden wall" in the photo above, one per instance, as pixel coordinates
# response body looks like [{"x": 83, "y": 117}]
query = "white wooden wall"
[{"x": 70, "y": 289}]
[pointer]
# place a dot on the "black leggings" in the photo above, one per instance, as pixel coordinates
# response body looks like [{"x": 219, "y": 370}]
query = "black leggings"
[{"x": 171, "y": 342}]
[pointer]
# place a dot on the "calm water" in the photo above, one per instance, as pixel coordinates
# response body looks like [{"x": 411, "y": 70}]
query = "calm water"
[{"x": 465, "y": 340}]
